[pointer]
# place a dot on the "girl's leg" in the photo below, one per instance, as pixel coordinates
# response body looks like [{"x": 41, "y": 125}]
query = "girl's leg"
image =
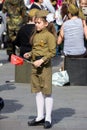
[
  {"x": 40, "y": 106},
  {"x": 49, "y": 107},
  {"x": 40, "y": 111}
]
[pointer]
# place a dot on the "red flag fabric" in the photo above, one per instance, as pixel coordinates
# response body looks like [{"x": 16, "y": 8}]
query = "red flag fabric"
[
  {"x": 16, "y": 60},
  {"x": 31, "y": 1}
]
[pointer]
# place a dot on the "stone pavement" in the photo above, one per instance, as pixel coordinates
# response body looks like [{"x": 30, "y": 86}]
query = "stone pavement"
[{"x": 70, "y": 102}]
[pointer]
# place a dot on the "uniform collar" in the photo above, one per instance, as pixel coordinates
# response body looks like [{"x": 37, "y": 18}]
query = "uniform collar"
[{"x": 42, "y": 31}]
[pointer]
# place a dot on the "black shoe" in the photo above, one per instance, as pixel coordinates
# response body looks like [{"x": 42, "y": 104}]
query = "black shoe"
[
  {"x": 35, "y": 123},
  {"x": 47, "y": 125}
]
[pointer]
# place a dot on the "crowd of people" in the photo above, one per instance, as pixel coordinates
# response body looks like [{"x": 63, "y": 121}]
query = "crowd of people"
[
  {"x": 16, "y": 19},
  {"x": 37, "y": 27}
]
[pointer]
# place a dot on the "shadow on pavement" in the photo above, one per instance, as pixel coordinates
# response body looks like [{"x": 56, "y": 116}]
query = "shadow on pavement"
[
  {"x": 7, "y": 87},
  {"x": 2, "y": 117},
  {"x": 61, "y": 113},
  {"x": 11, "y": 106}
]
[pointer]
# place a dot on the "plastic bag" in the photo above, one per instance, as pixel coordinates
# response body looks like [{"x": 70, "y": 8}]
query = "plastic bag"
[{"x": 60, "y": 78}]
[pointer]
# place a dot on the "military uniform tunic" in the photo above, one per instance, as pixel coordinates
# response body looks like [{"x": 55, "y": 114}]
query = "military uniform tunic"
[
  {"x": 16, "y": 13},
  {"x": 44, "y": 46}
]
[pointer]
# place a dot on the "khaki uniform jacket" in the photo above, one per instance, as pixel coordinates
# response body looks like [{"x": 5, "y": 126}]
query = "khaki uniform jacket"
[{"x": 44, "y": 44}]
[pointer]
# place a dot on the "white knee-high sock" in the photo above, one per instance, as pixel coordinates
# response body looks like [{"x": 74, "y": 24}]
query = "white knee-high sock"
[
  {"x": 48, "y": 107},
  {"x": 40, "y": 106}
]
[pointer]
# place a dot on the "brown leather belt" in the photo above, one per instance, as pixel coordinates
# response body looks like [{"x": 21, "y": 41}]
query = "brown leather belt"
[{"x": 37, "y": 58}]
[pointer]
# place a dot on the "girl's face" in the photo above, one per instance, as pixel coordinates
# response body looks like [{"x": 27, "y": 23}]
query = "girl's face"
[{"x": 40, "y": 24}]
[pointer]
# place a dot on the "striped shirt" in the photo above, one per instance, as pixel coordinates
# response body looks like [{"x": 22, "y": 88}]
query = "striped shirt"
[{"x": 74, "y": 37}]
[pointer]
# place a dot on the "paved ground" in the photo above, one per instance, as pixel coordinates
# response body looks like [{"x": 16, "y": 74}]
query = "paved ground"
[{"x": 70, "y": 102}]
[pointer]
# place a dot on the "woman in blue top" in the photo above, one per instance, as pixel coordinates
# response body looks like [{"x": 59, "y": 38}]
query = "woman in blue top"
[{"x": 73, "y": 32}]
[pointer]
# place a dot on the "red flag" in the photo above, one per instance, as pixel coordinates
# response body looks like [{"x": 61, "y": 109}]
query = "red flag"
[
  {"x": 31, "y": 1},
  {"x": 16, "y": 60}
]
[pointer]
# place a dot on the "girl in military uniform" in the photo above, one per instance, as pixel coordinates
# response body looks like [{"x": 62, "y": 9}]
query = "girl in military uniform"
[{"x": 44, "y": 48}]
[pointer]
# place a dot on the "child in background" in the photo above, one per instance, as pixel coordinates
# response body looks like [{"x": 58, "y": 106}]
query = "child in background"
[
  {"x": 43, "y": 49},
  {"x": 24, "y": 34}
]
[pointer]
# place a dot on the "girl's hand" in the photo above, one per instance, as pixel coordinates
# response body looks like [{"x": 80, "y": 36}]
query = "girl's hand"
[
  {"x": 38, "y": 63},
  {"x": 26, "y": 55}
]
